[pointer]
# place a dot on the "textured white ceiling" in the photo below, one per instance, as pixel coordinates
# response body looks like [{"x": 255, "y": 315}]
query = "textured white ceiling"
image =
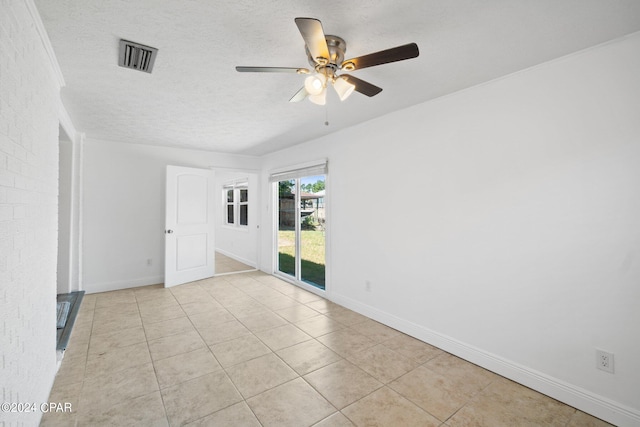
[{"x": 195, "y": 99}]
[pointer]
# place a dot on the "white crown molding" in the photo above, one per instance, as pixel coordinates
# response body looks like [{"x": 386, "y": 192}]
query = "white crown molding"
[
  {"x": 44, "y": 38},
  {"x": 585, "y": 400}
]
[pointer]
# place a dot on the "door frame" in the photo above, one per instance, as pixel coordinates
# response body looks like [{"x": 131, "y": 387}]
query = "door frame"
[
  {"x": 74, "y": 250},
  {"x": 273, "y": 188}
]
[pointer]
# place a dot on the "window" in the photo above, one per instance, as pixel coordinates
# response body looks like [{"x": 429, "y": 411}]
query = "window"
[{"x": 236, "y": 201}]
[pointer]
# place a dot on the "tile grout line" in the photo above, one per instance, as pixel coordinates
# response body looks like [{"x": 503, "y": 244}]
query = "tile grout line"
[
  {"x": 274, "y": 352},
  {"x": 252, "y": 288},
  {"x": 223, "y": 368},
  {"x": 155, "y": 372}
]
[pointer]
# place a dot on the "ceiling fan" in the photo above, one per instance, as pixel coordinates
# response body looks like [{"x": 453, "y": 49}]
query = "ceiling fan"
[{"x": 326, "y": 56}]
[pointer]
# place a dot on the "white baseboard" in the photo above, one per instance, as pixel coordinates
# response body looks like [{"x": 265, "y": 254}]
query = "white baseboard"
[
  {"x": 92, "y": 288},
  {"x": 59, "y": 357},
  {"x": 250, "y": 263},
  {"x": 584, "y": 400}
]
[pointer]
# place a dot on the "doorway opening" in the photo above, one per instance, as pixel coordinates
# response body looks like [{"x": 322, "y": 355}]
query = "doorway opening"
[{"x": 237, "y": 220}]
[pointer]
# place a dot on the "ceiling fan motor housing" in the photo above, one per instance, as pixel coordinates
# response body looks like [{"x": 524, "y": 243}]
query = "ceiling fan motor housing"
[{"x": 337, "y": 48}]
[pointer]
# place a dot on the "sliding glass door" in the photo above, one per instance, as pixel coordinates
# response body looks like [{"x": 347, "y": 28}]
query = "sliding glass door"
[
  {"x": 287, "y": 225},
  {"x": 301, "y": 229},
  {"x": 311, "y": 233}
]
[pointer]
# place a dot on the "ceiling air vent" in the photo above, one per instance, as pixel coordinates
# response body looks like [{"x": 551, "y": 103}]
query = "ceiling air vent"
[{"x": 137, "y": 56}]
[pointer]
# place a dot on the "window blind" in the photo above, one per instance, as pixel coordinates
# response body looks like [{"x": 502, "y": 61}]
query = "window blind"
[
  {"x": 236, "y": 184},
  {"x": 319, "y": 169}
]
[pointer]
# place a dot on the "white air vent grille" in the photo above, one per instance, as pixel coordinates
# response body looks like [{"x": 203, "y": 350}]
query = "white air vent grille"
[{"x": 137, "y": 56}]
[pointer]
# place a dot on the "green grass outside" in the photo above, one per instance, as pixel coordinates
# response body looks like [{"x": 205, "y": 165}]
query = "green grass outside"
[{"x": 312, "y": 255}]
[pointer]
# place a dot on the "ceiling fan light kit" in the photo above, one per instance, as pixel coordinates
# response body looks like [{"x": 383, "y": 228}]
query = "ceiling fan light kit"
[
  {"x": 315, "y": 84},
  {"x": 343, "y": 88},
  {"x": 316, "y": 88},
  {"x": 326, "y": 55},
  {"x": 319, "y": 99}
]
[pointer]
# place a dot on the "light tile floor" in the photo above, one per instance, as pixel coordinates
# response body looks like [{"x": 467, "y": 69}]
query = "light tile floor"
[
  {"x": 225, "y": 265},
  {"x": 251, "y": 350}
]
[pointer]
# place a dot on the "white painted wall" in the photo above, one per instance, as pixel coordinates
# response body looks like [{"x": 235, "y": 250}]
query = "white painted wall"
[
  {"x": 65, "y": 169},
  {"x": 124, "y": 209},
  {"x": 504, "y": 224},
  {"x": 240, "y": 243},
  {"x": 29, "y": 99}
]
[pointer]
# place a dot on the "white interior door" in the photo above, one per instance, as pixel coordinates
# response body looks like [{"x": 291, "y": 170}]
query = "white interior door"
[{"x": 189, "y": 229}]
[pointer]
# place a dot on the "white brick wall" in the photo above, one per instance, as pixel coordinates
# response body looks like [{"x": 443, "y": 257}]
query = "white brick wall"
[{"x": 29, "y": 96}]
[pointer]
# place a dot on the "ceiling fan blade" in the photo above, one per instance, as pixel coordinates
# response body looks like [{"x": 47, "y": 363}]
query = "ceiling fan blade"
[
  {"x": 394, "y": 54},
  {"x": 363, "y": 87},
  {"x": 300, "y": 95},
  {"x": 242, "y": 69},
  {"x": 313, "y": 35}
]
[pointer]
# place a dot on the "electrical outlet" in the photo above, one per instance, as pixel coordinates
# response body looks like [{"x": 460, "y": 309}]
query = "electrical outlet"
[
  {"x": 367, "y": 286},
  {"x": 604, "y": 361}
]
